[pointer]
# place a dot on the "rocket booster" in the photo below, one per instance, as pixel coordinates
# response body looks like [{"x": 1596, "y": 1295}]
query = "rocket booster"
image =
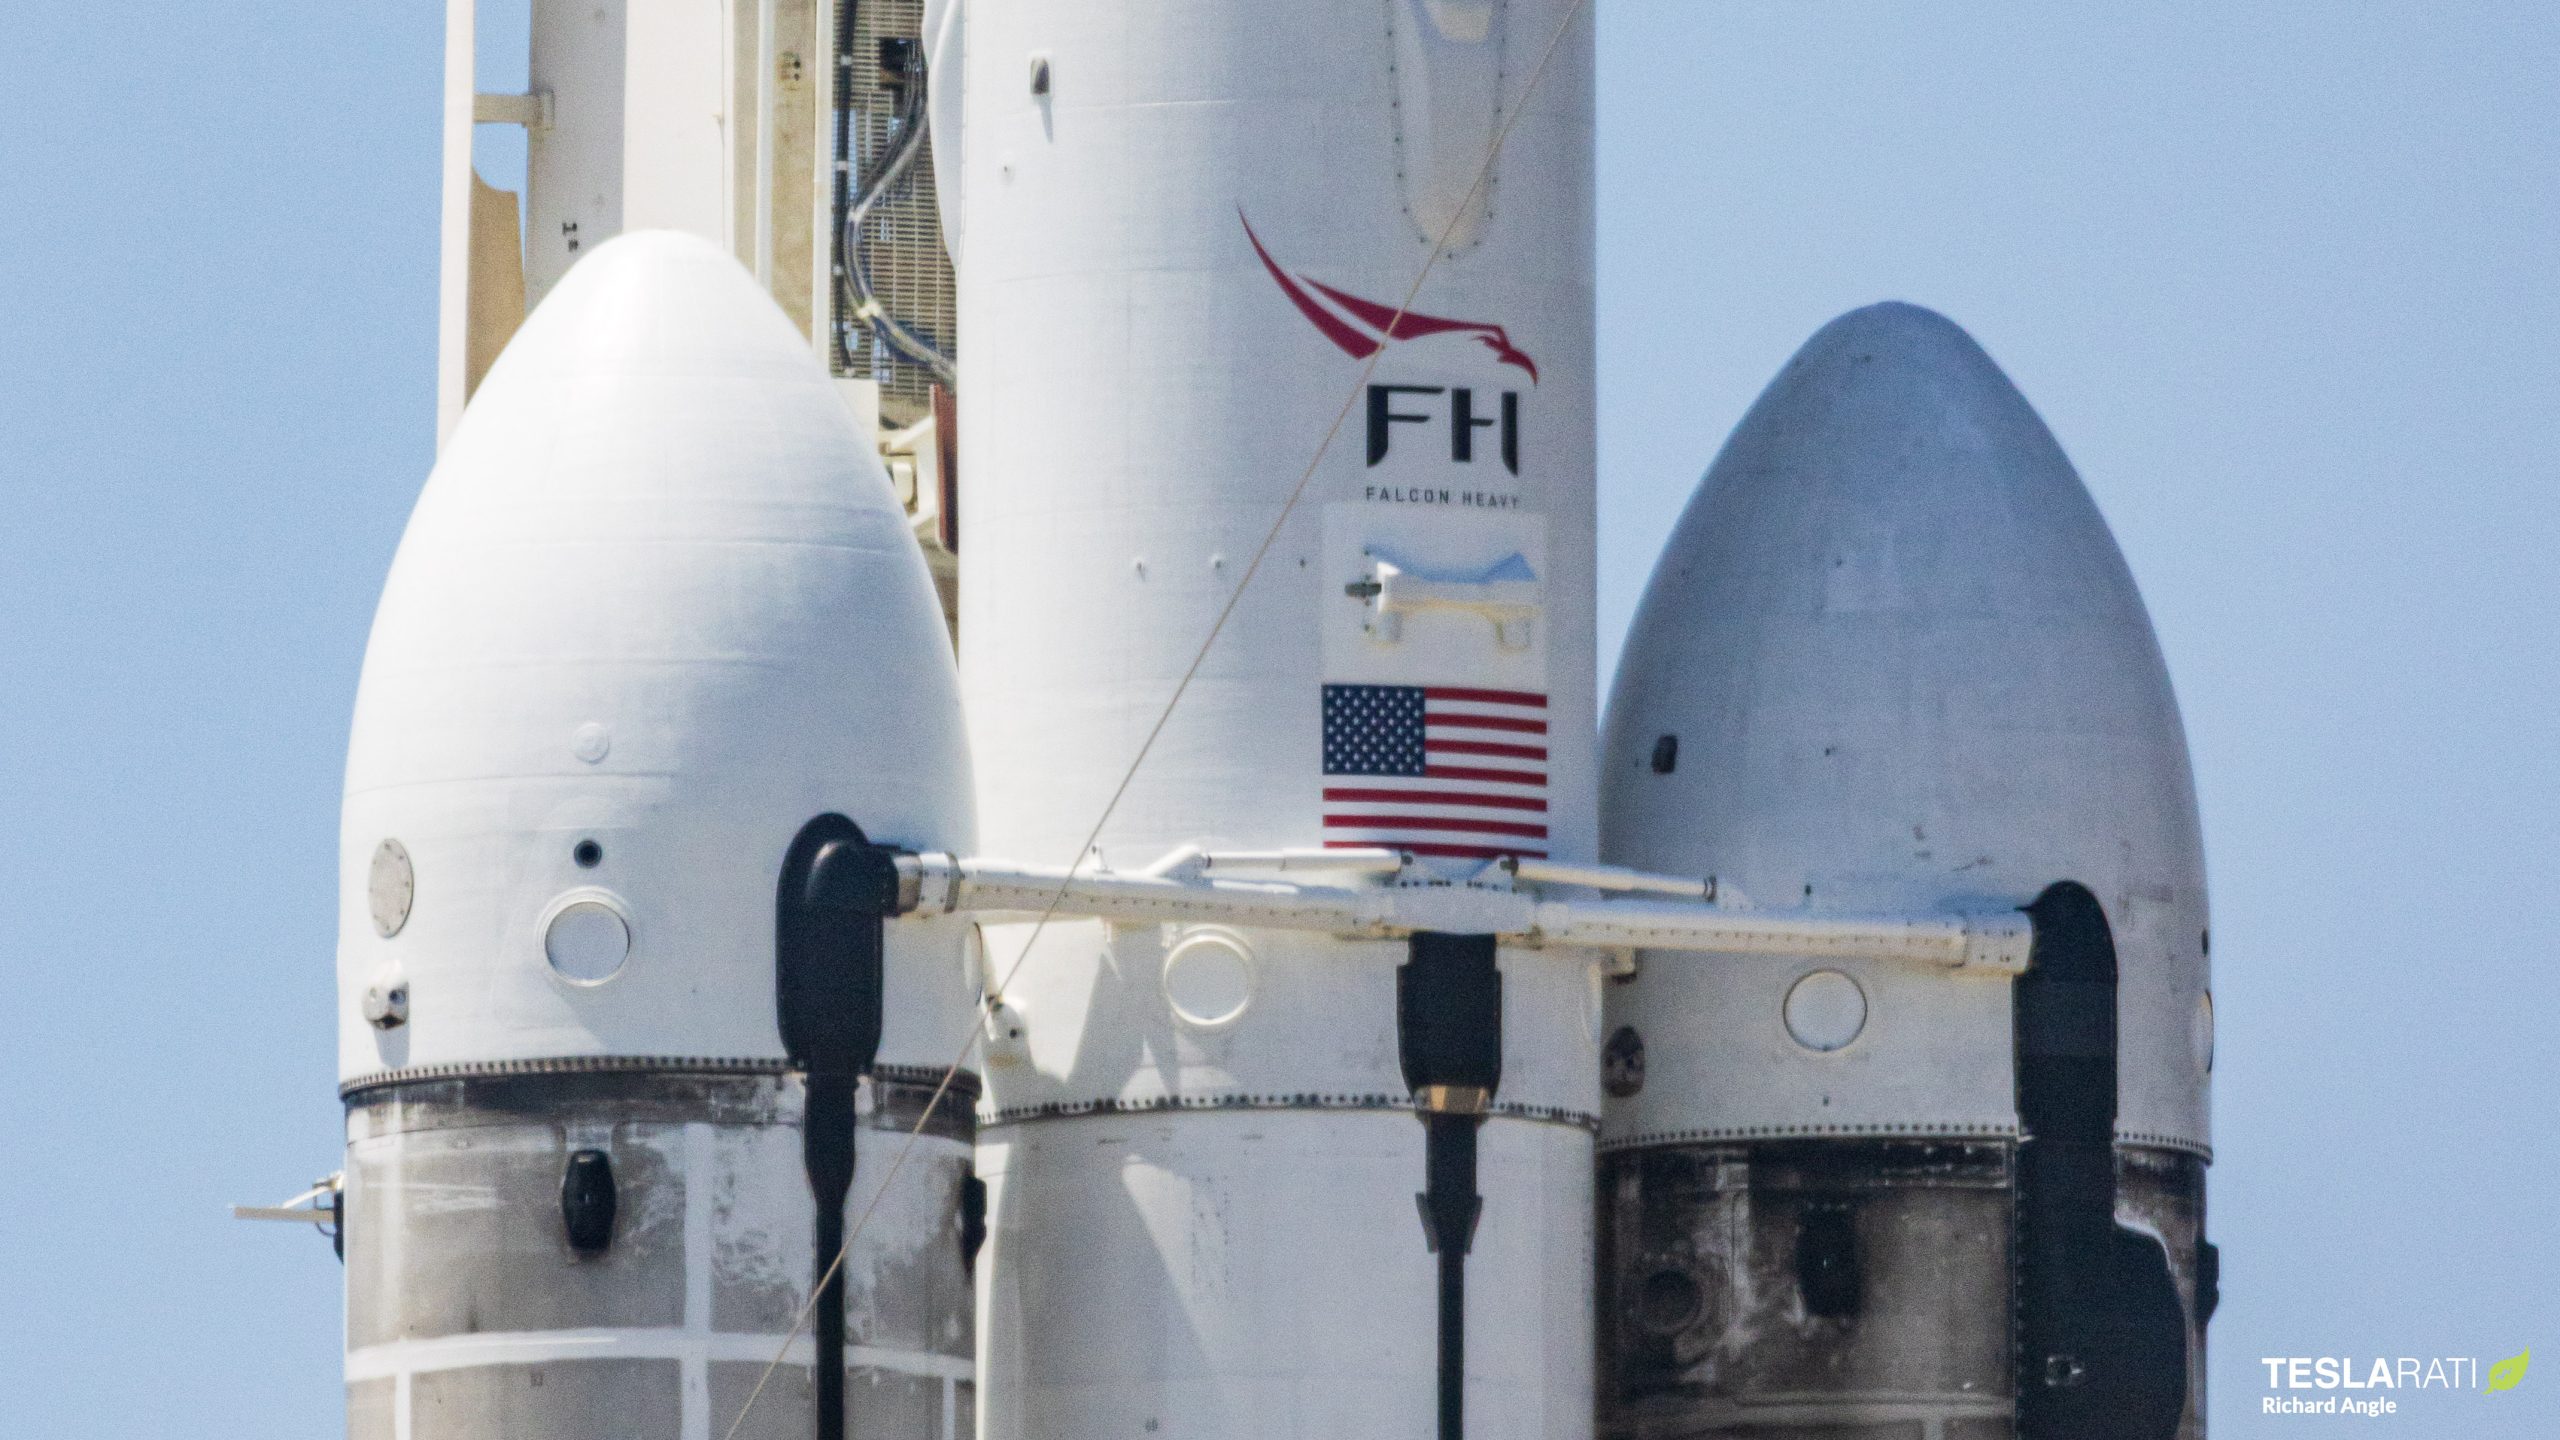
[
  {"x": 624, "y": 1034},
  {"x": 1891, "y": 659},
  {"x": 1185, "y": 233}
]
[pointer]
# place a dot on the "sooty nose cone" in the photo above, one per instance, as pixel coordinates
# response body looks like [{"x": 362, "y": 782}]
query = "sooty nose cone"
[{"x": 1907, "y": 669}]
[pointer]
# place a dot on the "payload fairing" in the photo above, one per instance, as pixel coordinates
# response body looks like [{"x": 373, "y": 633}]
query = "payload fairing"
[{"x": 1365, "y": 1048}]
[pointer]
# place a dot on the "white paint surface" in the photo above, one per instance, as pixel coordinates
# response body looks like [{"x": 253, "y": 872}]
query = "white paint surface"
[
  {"x": 657, "y": 518},
  {"x": 1142, "y": 396},
  {"x": 1909, "y": 671}
]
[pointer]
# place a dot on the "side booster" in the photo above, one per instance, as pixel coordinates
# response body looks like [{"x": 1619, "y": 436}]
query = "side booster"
[
  {"x": 1182, "y": 230},
  {"x": 1893, "y": 660},
  {"x": 657, "y": 676}
]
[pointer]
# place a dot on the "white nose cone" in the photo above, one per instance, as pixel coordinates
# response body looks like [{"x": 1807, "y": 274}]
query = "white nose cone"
[
  {"x": 656, "y": 609},
  {"x": 1906, "y": 669}
]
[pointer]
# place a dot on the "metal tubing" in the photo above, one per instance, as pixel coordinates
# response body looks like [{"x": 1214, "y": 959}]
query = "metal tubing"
[{"x": 941, "y": 884}]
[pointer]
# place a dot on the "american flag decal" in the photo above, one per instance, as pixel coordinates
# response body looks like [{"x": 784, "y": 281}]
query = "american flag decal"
[{"x": 1437, "y": 770}]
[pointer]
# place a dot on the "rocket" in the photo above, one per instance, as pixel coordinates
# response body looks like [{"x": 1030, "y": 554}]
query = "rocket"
[
  {"x": 1891, "y": 658},
  {"x": 1314, "y": 1185},
  {"x": 624, "y": 1036},
  {"x": 1183, "y": 954}
]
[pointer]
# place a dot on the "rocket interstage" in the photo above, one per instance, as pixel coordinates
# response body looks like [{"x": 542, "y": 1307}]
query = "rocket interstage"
[
  {"x": 657, "y": 671},
  {"x": 1183, "y": 235},
  {"x": 1892, "y": 660}
]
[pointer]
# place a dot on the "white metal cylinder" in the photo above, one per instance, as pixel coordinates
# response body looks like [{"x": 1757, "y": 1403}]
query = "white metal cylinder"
[
  {"x": 1891, "y": 659},
  {"x": 1901, "y": 666},
  {"x": 1266, "y": 1278},
  {"x": 657, "y": 597},
  {"x": 1147, "y": 392},
  {"x": 1187, "y": 230},
  {"x": 656, "y": 610}
]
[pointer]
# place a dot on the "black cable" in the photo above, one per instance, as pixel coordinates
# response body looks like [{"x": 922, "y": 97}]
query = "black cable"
[
  {"x": 890, "y": 178},
  {"x": 1451, "y": 1202},
  {"x": 843, "y": 183},
  {"x": 829, "y": 958},
  {"x": 1449, "y": 1046}
]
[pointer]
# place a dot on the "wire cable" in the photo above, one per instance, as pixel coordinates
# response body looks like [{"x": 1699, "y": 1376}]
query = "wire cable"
[
  {"x": 841, "y": 195},
  {"x": 889, "y": 181},
  {"x": 1297, "y": 492}
]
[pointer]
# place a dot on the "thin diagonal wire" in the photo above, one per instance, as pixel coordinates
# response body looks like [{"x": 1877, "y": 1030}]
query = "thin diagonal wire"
[
  {"x": 1271, "y": 537},
  {"x": 1297, "y": 492}
]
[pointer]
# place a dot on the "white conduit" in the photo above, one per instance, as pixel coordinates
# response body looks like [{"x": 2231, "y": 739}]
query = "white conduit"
[{"x": 941, "y": 884}]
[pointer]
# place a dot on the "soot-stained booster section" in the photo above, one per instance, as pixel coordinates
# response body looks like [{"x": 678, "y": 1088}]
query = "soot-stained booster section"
[
  {"x": 1182, "y": 233},
  {"x": 1891, "y": 659},
  {"x": 625, "y": 1041}
]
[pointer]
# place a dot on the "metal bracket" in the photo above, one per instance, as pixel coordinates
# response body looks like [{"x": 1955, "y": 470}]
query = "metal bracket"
[
  {"x": 1188, "y": 887},
  {"x": 315, "y": 1206},
  {"x": 323, "y": 1207},
  {"x": 533, "y": 111},
  {"x": 1510, "y": 606},
  {"x": 1453, "y": 1099}
]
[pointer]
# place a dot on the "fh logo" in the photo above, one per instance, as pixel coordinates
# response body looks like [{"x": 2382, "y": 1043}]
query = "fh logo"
[
  {"x": 1464, "y": 422},
  {"x": 1361, "y": 328}
]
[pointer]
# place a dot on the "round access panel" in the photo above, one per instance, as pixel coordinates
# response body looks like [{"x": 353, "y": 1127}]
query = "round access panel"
[
  {"x": 1208, "y": 979},
  {"x": 1825, "y": 1010},
  {"x": 391, "y": 888},
  {"x": 586, "y": 941}
]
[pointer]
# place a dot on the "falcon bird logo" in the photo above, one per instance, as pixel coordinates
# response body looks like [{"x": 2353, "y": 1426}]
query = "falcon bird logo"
[{"x": 1361, "y": 328}]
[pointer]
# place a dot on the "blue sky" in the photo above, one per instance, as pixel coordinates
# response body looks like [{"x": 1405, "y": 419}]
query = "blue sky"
[{"x": 2283, "y": 278}]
